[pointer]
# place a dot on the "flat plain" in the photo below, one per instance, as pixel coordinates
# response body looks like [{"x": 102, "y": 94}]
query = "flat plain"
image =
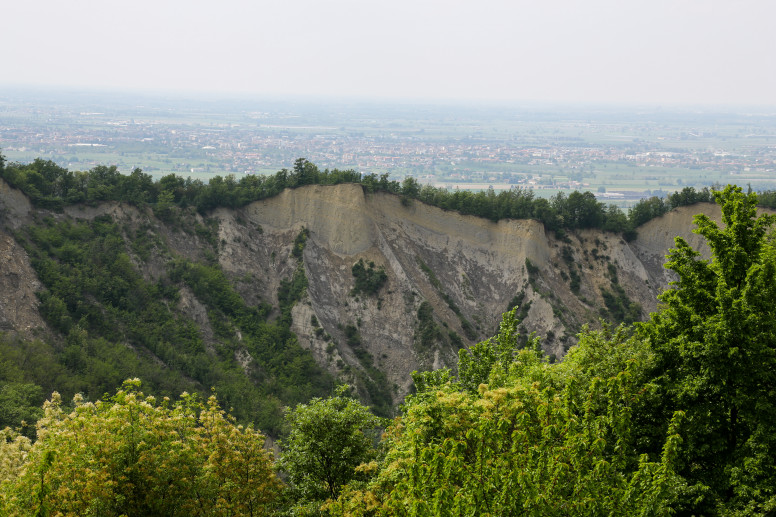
[{"x": 620, "y": 153}]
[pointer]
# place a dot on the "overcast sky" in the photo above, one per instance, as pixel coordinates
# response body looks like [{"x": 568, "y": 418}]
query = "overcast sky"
[{"x": 634, "y": 51}]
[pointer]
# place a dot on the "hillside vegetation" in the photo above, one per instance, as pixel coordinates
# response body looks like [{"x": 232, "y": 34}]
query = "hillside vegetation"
[
  {"x": 150, "y": 291},
  {"x": 672, "y": 416},
  {"x": 96, "y": 299},
  {"x": 51, "y": 186}
]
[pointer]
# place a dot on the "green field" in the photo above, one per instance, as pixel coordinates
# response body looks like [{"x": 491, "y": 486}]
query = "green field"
[{"x": 600, "y": 149}]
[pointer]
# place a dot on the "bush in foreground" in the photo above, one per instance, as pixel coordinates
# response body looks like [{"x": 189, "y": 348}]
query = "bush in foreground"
[{"x": 133, "y": 455}]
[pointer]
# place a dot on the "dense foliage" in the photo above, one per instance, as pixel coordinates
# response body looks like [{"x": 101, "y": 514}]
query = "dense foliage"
[
  {"x": 715, "y": 348},
  {"x": 369, "y": 278},
  {"x": 676, "y": 415},
  {"x": 134, "y": 455},
  {"x": 650, "y": 208},
  {"x": 20, "y": 404},
  {"x": 51, "y": 186},
  {"x": 535, "y": 439},
  {"x": 672, "y": 416},
  {"x": 329, "y": 438}
]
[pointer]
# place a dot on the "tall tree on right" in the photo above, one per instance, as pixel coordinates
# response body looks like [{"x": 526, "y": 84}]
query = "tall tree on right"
[{"x": 715, "y": 340}]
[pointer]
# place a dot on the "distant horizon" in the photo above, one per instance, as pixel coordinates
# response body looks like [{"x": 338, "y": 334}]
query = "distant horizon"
[
  {"x": 547, "y": 147},
  {"x": 194, "y": 95}
]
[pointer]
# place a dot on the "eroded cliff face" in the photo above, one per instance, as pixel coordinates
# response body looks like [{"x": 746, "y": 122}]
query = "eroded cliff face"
[
  {"x": 18, "y": 282},
  {"x": 466, "y": 269},
  {"x": 657, "y": 236}
]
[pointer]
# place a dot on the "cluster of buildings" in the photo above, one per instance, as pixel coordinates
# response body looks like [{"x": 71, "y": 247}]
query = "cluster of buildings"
[{"x": 187, "y": 147}]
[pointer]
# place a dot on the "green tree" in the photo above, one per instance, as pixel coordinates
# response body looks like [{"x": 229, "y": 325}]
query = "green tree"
[
  {"x": 477, "y": 364},
  {"x": 715, "y": 340},
  {"x": 410, "y": 187},
  {"x": 328, "y": 439},
  {"x": 534, "y": 439},
  {"x": 133, "y": 455},
  {"x": 583, "y": 210},
  {"x": 368, "y": 278},
  {"x": 678, "y": 419},
  {"x": 305, "y": 173},
  {"x": 646, "y": 210}
]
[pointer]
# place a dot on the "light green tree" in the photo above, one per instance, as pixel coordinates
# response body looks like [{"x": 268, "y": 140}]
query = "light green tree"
[
  {"x": 494, "y": 356},
  {"x": 133, "y": 455},
  {"x": 535, "y": 439}
]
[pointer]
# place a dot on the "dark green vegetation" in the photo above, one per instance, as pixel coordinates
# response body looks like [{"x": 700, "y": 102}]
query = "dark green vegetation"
[
  {"x": 369, "y": 279},
  {"x": 675, "y": 415},
  {"x": 292, "y": 290},
  {"x": 648, "y": 209},
  {"x": 618, "y": 307},
  {"x": 20, "y": 402},
  {"x": 113, "y": 323},
  {"x": 329, "y": 438},
  {"x": 53, "y": 187},
  {"x": 427, "y": 332},
  {"x": 372, "y": 378}
]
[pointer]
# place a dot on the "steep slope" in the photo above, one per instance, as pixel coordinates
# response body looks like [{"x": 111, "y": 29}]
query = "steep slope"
[
  {"x": 449, "y": 277},
  {"x": 18, "y": 283},
  {"x": 469, "y": 270},
  {"x": 656, "y": 236}
]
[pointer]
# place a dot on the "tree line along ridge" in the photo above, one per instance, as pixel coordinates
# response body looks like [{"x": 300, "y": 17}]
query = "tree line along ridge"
[{"x": 50, "y": 186}]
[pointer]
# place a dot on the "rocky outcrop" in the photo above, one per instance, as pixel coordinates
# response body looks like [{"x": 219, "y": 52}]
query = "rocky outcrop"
[
  {"x": 18, "y": 284},
  {"x": 657, "y": 236},
  {"x": 14, "y": 206},
  {"x": 468, "y": 270}
]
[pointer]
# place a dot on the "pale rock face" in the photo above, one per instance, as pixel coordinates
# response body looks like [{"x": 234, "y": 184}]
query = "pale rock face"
[
  {"x": 478, "y": 267},
  {"x": 18, "y": 284},
  {"x": 468, "y": 269},
  {"x": 335, "y": 216},
  {"x": 14, "y": 206},
  {"x": 657, "y": 236}
]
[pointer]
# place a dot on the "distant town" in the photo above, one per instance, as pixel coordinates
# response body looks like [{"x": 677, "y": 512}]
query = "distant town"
[{"x": 620, "y": 155}]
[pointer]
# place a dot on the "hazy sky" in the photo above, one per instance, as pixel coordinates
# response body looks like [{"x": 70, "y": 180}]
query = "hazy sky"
[{"x": 644, "y": 51}]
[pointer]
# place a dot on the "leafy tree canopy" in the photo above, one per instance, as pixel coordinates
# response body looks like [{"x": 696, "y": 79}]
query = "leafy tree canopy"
[
  {"x": 136, "y": 456},
  {"x": 715, "y": 341},
  {"x": 535, "y": 439},
  {"x": 328, "y": 439}
]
